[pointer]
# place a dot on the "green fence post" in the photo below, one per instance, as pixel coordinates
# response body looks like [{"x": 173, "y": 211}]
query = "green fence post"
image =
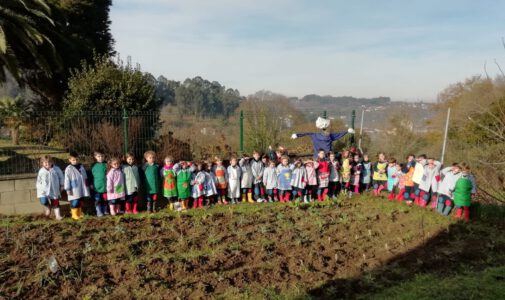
[
  {"x": 125, "y": 130},
  {"x": 353, "y": 117},
  {"x": 241, "y": 132}
]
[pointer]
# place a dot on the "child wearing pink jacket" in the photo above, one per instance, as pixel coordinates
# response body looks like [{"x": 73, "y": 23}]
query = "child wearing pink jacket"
[
  {"x": 115, "y": 185},
  {"x": 310, "y": 191}
]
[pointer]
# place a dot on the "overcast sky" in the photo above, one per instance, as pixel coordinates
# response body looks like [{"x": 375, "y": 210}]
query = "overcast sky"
[{"x": 407, "y": 50}]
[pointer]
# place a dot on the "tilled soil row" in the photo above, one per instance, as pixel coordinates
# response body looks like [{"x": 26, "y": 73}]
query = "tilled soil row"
[{"x": 218, "y": 252}]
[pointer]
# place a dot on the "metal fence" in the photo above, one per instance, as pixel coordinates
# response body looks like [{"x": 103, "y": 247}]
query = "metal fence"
[
  {"x": 167, "y": 133},
  {"x": 113, "y": 133}
]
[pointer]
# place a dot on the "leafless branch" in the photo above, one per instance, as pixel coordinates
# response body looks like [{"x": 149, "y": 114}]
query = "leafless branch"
[
  {"x": 498, "y": 120},
  {"x": 495, "y": 133},
  {"x": 490, "y": 163},
  {"x": 485, "y": 70},
  {"x": 499, "y": 68}
]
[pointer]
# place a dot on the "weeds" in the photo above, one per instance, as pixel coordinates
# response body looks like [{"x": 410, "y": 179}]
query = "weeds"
[{"x": 271, "y": 251}]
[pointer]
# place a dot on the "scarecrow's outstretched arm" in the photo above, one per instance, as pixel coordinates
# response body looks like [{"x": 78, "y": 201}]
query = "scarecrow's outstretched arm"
[{"x": 297, "y": 135}]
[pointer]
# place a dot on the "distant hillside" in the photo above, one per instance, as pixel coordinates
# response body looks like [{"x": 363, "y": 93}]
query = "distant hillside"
[
  {"x": 377, "y": 110},
  {"x": 345, "y": 100}
]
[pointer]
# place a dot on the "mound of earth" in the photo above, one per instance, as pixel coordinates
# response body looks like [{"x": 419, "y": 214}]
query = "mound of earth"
[{"x": 336, "y": 249}]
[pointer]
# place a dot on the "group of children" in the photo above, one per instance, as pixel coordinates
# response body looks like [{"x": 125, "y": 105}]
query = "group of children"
[
  {"x": 115, "y": 186},
  {"x": 422, "y": 181}
]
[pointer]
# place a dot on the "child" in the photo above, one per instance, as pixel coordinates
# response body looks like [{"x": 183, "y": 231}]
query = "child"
[
  {"x": 276, "y": 155},
  {"x": 380, "y": 176},
  {"x": 264, "y": 160},
  {"x": 198, "y": 183},
  {"x": 400, "y": 182},
  {"x": 463, "y": 190},
  {"x": 429, "y": 182},
  {"x": 408, "y": 171},
  {"x": 75, "y": 185},
  {"x": 99, "y": 170},
  {"x": 169, "y": 181},
  {"x": 417, "y": 176},
  {"x": 49, "y": 184},
  {"x": 366, "y": 173},
  {"x": 299, "y": 181},
  {"x": 311, "y": 187},
  {"x": 210, "y": 184},
  {"x": 247, "y": 179},
  {"x": 355, "y": 175},
  {"x": 346, "y": 171},
  {"x": 270, "y": 180},
  {"x": 115, "y": 186},
  {"x": 391, "y": 183},
  {"x": 334, "y": 185},
  {"x": 184, "y": 171},
  {"x": 234, "y": 173},
  {"x": 285, "y": 172},
  {"x": 221, "y": 180},
  {"x": 257, "y": 167},
  {"x": 323, "y": 175},
  {"x": 132, "y": 183},
  {"x": 450, "y": 177},
  {"x": 152, "y": 180}
]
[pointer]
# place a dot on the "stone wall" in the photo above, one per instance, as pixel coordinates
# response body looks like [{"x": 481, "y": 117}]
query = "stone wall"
[{"x": 18, "y": 195}]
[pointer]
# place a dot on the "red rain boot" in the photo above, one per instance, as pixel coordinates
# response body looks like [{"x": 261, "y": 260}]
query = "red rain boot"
[
  {"x": 379, "y": 190},
  {"x": 135, "y": 201},
  {"x": 391, "y": 196},
  {"x": 375, "y": 193},
  {"x": 325, "y": 193},
  {"x": 419, "y": 198},
  {"x": 459, "y": 211},
  {"x": 319, "y": 198},
  {"x": 434, "y": 202},
  {"x": 356, "y": 189},
  {"x": 466, "y": 212},
  {"x": 128, "y": 208},
  {"x": 195, "y": 203},
  {"x": 400, "y": 196},
  {"x": 286, "y": 197},
  {"x": 200, "y": 202}
]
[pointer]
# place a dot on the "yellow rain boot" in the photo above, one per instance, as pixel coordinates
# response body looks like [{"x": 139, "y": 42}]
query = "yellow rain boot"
[
  {"x": 250, "y": 198},
  {"x": 74, "y": 213},
  {"x": 171, "y": 206},
  {"x": 243, "y": 198},
  {"x": 80, "y": 215}
]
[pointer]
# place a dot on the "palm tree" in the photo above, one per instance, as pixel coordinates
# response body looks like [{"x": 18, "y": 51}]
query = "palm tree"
[
  {"x": 13, "y": 113},
  {"x": 23, "y": 46}
]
